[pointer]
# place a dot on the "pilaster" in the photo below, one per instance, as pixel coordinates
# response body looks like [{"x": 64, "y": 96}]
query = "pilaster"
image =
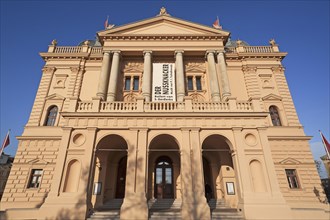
[
  {"x": 39, "y": 102},
  {"x": 251, "y": 82},
  {"x": 135, "y": 200},
  {"x": 284, "y": 92}
]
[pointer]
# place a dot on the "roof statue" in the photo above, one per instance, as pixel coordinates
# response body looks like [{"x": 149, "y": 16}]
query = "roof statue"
[
  {"x": 163, "y": 12},
  {"x": 107, "y": 25},
  {"x": 54, "y": 42},
  {"x": 272, "y": 42}
]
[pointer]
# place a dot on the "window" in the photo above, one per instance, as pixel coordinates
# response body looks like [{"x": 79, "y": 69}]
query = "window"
[
  {"x": 190, "y": 83},
  {"x": 35, "y": 178},
  {"x": 127, "y": 83},
  {"x": 274, "y": 115},
  {"x": 132, "y": 83},
  {"x": 136, "y": 83},
  {"x": 291, "y": 175},
  {"x": 51, "y": 116},
  {"x": 194, "y": 83},
  {"x": 198, "y": 83}
]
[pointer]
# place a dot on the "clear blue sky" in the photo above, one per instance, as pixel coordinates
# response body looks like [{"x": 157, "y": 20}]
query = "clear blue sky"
[{"x": 301, "y": 28}]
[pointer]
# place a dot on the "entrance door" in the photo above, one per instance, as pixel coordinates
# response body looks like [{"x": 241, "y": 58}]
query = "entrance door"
[
  {"x": 121, "y": 178},
  {"x": 164, "y": 178},
  {"x": 207, "y": 180}
]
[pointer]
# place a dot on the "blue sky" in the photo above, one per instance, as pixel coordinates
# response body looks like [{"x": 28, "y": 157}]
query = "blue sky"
[{"x": 301, "y": 28}]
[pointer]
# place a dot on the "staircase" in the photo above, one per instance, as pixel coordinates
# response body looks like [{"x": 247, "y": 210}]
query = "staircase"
[
  {"x": 220, "y": 211},
  {"x": 109, "y": 211},
  {"x": 164, "y": 209}
]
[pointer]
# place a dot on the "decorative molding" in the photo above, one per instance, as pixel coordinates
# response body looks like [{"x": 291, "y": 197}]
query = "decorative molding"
[
  {"x": 133, "y": 67},
  {"x": 38, "y": 161},
  {"x": 55, "y": 97},
  {"x": 195, "y": 67},
  {"x": 272, "y": 97},
  {"x": 289, "y": 161}
]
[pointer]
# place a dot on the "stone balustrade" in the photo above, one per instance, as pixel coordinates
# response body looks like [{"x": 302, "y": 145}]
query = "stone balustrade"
[
  {"x": 187, "y": 106},
  {"x": 64, "y": 49},
  {"x": 250, "y": 49}
]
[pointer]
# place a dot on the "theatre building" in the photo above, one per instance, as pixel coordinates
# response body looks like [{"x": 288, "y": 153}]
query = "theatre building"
[{"x": 163, "y": 119}]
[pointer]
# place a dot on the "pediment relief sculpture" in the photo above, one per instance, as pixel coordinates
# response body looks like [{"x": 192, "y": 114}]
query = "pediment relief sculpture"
[
  {"x": 133, "y": 67},
  {"x": 195, "y": 67}
]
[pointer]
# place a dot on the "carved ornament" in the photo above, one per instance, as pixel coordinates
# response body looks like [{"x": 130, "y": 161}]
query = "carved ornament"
[
  {"x": 48, "y": 69},
  {"x": 133, "y": 67},
  {"x": 195, "y": 67},
  {"x": 247, "y": 69}
]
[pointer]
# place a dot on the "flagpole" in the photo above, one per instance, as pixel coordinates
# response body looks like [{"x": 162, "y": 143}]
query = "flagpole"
[
  {"x": 324, "y": 145},
  {"x": 4, "y": 142}
]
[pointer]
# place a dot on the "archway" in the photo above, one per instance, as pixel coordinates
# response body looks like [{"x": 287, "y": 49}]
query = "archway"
[
  {"x": 110, "y": 169},
  {"x": 164, "y": 168},
  {"x": 218, "y": 168},
  {"x": 163, "y": 178}
]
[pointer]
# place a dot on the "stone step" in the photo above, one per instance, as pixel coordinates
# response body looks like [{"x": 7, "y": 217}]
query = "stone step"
[{"x": 164, "y": 204}]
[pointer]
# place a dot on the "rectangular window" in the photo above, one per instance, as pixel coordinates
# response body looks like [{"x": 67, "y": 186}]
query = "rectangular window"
[
  {"x": 198, "y": 83},
  {"x": 136, "y": 83},
  {"x": 127, "y": 83},
  {"x": 190, "y": 83},
  {"x": 291, "y": 175},
  {"x": 35, "y": 178}
]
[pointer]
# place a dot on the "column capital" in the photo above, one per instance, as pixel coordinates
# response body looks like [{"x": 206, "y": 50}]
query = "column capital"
[
  {"x": 145, "y": 52},
  {"x": 118, "y": 52},
  {"x": 210, "y": 52},
  {"x": 178, "y": 52},
  {"x": 220, "y": 52}
]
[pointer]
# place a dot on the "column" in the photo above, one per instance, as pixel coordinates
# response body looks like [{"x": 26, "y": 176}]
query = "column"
[
  {"x": 146, "y": 81},
  {"x": 113, "y": 76},
  {"x": 179, "y": 76},
  {"x": 223, "y": 75},
  {"x": 214, "y": 85},
  {"x": 104, "y": 76}
]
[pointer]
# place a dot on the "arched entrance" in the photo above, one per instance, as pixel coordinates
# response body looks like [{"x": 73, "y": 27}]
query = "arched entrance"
[
  {"x": 163, "y": 178},
  {"x": 164, "y": 168},
  {"x": 218, "y": 168},
  {"x": 121, "y": 178},
  {"x": 110, "y": 169}
]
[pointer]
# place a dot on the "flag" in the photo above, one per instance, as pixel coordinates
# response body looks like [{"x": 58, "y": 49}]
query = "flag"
[
  {"x": 216, "y": 24},
  {"x": 5, "y": 143},
  {"x": 106, "y": 23},
  {"x": 326, "y": 145}
]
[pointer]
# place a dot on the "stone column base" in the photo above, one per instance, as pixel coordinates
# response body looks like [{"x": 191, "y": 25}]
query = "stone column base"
[
  {"x": 195, "y": 211},
  {"x": 133, "y": 209}
]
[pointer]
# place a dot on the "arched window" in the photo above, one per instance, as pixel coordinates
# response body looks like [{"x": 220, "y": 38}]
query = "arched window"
[
  {"x": 274, "y": 115},
  {"x": 51, "y": 116}
]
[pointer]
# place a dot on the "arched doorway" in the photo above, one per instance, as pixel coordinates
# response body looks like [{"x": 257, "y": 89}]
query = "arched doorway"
[
  {"x": 218, "y": 168},
  {"x": 110, "y": 169},
  {"x": 121, "y": 178},
  {"x": 163, "y": 178},
  {"x": 164, "y": 168}
]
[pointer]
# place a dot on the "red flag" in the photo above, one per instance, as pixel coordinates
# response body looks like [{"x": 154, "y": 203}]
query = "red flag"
[
  {"x": 326, "y": 145},
  {"x": 106, "y": 23},
  {"x": 5, "y": 143}
]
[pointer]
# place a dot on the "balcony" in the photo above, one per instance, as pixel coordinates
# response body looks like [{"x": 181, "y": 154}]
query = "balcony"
[{"x": 140, "y": 106}]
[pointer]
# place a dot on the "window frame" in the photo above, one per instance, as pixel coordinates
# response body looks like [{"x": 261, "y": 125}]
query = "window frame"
[
  {"x": 132, "y": 79},
  {"x": 293, "y": 180},
  {"x": 31, "y": 184},
  {"x": 194, "y": 77},
  {"x": 50, "y": 120},
  {"x": 275, "y": 115}
]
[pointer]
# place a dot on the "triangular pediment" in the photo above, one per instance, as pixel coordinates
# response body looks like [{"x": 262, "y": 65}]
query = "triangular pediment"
[
  {"x": 38, "y": 161},
  {"x": 55, "y": 97},
  {"x": 163, "y": 25},
  {"x": 289, "y": 161},
  {"x": 272, "y": 97}
]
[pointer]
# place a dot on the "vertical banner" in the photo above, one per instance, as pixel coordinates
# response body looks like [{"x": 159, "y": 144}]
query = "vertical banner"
[{"x": 163, "y": 82}]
